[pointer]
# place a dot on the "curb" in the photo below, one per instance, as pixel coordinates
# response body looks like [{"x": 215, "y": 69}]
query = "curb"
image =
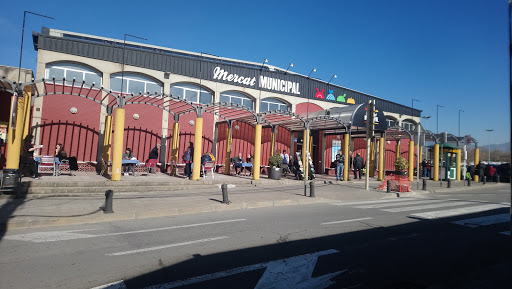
[{"x": 100, "y": 217}]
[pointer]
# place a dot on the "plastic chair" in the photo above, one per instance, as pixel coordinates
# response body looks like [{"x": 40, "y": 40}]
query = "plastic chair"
[
  {"x": 208, "y": 166},
  {"x": 105, "y": 166},
  {"x": 45, "y": 163},
  {"x": 151, "y": 164}
]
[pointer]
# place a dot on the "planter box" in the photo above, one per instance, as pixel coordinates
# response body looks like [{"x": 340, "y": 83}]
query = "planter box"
[{"x": 274, "y": 173}]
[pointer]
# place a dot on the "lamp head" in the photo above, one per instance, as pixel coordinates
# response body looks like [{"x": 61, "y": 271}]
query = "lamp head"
[{"x": 291, "y": 64}]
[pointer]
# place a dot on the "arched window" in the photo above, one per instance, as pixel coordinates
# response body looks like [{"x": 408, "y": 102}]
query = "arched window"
[
  {"x": 408, "y": 125},
  {"x": 134, "y": 83},
  {"x": 190, "y": 92},
  {"x": 391, "y": 121},
  {"x": 237, "y": 98},
  {"x": 72, "y": 71},
  {"x": 268, "y": 104}
]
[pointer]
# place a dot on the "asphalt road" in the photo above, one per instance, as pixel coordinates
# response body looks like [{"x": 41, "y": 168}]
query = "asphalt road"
[{"x": 451, "y": 240}]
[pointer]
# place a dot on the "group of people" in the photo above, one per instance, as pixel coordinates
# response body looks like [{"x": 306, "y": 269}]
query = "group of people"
[
  {"x": 339, "y": 162},
  {"x": 237, "y": 162},
  {"x": 426, "y": 169},
  {"x": 27, "y": 157}
]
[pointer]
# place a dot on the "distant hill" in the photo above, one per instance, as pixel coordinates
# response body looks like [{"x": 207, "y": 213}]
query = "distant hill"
[{"x": 505, "y": 147}]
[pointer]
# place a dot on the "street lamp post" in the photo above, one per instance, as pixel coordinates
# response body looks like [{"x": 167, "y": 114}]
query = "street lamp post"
[
  {"x": 489, "y": 130},
  {"x": 437, "y": 116},
  {"x": 460, "y": 110},
  {"x": 412, "y": 106},
  {"x": 122, "y": 68},
  {"x": 334, "y": 76},
  {"x": 291, "y": 65}
]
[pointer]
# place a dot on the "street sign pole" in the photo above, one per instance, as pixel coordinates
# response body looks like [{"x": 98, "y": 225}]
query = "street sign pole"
[{"x": 370, "y": 112}]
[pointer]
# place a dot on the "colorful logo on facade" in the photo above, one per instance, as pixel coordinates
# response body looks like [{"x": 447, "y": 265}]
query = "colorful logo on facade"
[
  {"x": 330, "y": 96},
  {"x": 319, "y": 94},
  {"x": 350, "y": 100},
  {"x": 341, "y": 98}
]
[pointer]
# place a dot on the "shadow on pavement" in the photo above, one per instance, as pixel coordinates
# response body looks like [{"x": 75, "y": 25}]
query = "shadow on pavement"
[{"x": 420, "y": 254}]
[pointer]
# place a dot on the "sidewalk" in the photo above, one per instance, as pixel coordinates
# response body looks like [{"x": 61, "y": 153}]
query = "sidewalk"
[{"x": 56, "y": 211}]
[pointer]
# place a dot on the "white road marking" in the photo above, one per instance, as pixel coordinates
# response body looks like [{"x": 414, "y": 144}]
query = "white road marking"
[
  {"x": 293, "y": 272},
  {"x": 456, "y": 212},
  {"x": 505, "y": 233},
  {"x": 416, "y": 208},
  {"x": 373, "y": 202},
  {"x": 484, "y": 221},
  {"x": 53, "y": 236},
  {"x": 166, "y": 246},
  {"x": 113, "y": 285},
  {"x": 346, "y": 221},
  {"x": 400, "y": 204}
]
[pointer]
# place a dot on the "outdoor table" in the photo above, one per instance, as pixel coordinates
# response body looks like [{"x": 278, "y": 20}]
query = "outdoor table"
[
  {"x": 242, "y": 166},
  {"x": 135, "y": 162}
]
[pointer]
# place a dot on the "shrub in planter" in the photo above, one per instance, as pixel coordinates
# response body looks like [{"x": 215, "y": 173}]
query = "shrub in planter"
[
  {"x": 401, "y": 165},
  {"x": 275, "y": 162}
]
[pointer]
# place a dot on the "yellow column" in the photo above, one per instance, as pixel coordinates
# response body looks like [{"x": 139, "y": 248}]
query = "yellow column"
[
  {"x": 229, "y": 141},
  {"x": 435, "y": 172},
  {"x": 198, "y": 139},
  {"x": 458, "y": 165},
  {"x": 305, "y": 159},
  {"x": 411, "y": 160},
  {"x": 421, "y": 156},
  {"x": 397, "y": 150},
  {"x": 310, "y": 145},
  {"x": 27, "y": 95},
  {"x": 257, "y": 153},
  {"x": 477, "y": 160},
  {"x": 272, "y": 142},
  {"x": 15, "y": 137},
  {"x": 117, "y": 152},
  {"x": 175, "y": 141},
  {"x": 381, "y": 158},
  {"x": 346, "y": 142},
  {"x": 371, "y": 173},
  {"x": 107, "y": 139}
]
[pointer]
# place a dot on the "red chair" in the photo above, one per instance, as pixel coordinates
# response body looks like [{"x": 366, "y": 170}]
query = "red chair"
[{"x": 151, "y": 164}]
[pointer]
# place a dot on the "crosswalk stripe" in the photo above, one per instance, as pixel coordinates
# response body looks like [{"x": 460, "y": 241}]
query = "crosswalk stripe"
[
  {"x": 346, "y": 221},
  {"x": 456, "y": 212},
  {"x": 400, "y": 204},
  {"x": 373, "y": 202},
  {"x": 484, "y": 221},
  {"x": 433, "y": 206}
]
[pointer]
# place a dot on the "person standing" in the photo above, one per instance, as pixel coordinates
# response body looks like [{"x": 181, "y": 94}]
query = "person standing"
[
  {"x": 187, "y": 159},
  {"x": 340, "y": 165},
  {"x": 286, "y": 161},
  {"x": 424, "y": 168},
  {"x": 358, "y": 165},
  {"x": 27, "y": 156}
]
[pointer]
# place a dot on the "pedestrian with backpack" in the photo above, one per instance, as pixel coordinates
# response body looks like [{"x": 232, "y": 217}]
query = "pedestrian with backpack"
[{"x": 187, "y": 159}]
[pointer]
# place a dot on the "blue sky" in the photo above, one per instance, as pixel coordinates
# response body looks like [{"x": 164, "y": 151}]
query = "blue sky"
[{"x": 452, "y": 53}]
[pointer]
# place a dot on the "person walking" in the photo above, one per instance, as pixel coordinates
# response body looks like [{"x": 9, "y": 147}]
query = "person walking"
[
  {"x": 358, "y": 165},
  {"x": 340, "y": 165}
]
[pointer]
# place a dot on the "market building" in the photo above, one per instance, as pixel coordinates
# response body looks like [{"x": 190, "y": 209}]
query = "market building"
[{"x": 81, "y": 74}]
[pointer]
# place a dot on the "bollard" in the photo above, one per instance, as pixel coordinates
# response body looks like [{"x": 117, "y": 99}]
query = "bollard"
[
  {"x": 225, "y": 199},
  {"x": 312, "y": 189},
  {"x": 449, "y": 183},
  {"x": 469, "y": 182},
  {"x": 497, "y": 178},
  {"x": 484, "y": 180},
  {"x": 424, "y": 184},
  {"x": 108, "y": 202},
  {"x": 388, "y": 186}
]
